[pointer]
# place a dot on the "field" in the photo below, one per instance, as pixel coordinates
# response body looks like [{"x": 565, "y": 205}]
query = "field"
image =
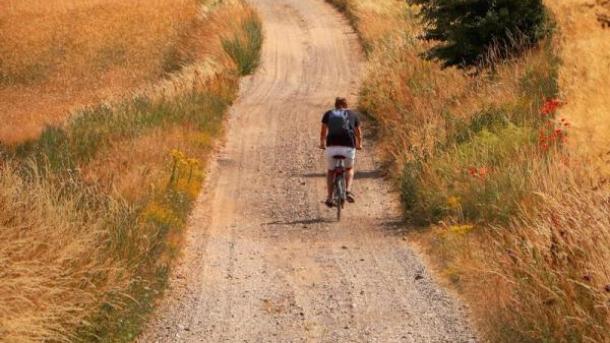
[
  {"x": 492, "y": 169},
  {"x": 61, "y": 55},
  {"x": 110, "y": 110},
  {"x": 584, "y": 76}
]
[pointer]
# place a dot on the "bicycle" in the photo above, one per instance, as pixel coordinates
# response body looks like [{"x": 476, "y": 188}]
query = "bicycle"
[{"x": 339, "y": 188}]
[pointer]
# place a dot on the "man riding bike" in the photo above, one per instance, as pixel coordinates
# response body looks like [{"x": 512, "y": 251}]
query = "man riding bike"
[{"x": 341, "y": 136}]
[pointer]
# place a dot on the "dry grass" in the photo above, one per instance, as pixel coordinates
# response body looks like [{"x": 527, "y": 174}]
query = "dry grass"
[
  {"x": 519, "y": 228},
  {"x": 92, "y": 210},
  {"x": 541, "y": 278},
  {"x": 585, "y": 73},
  {"x": 58, "y": 55},
  {"x": 42, "y": 289},
  {"x": 124, "y": 166},
  {"x": 399, "y": 83},
  {"x": 553, "y": 265}
]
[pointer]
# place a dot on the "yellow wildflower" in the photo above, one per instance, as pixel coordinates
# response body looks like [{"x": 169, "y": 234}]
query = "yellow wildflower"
[
  {"x": 454, "y": 202},
  {"x": 461, "y": 229}
]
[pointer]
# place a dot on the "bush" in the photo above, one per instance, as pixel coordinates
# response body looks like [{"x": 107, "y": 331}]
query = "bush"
[
  {"x": 475, "y": 181},
  {"x": 467, "y": 30},
  {"x": 245, "y": 48}
]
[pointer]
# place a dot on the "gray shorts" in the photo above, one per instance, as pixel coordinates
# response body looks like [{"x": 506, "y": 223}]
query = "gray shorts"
[{"x": 349, "y": 153}]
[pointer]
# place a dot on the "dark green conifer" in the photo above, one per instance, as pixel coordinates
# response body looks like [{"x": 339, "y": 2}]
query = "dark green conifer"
[{"x": 467, "y": 29}]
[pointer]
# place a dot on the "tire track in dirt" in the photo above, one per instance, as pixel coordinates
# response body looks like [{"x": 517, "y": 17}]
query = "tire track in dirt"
[{"x": 265, "y": 261}]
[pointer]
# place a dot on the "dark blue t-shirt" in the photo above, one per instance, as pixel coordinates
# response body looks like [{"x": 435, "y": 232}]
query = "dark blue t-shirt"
[{"x": 348, "y": 140}]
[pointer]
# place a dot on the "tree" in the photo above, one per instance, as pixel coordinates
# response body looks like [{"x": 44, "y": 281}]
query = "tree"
[{"x": 467, "y": 29}]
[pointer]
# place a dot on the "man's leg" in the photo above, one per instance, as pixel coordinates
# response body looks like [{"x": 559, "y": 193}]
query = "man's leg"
[{"x": 349, "y": 177}]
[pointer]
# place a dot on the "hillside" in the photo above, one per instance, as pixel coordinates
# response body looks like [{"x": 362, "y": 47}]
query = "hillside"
[
  {"x": 160, "y": 177},
  {"x": 492, "y": 187},
  {"x": 110, "y": 110},
  {"x": 585, "y": 73},
  {"x": 57, "y": 56}
]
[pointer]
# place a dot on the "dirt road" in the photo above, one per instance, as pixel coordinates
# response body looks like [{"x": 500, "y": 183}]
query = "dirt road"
[{"x": 265, "y": 260}]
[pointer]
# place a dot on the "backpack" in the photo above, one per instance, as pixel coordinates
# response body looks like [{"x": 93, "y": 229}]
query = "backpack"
[{"x": 339, "y": 124}]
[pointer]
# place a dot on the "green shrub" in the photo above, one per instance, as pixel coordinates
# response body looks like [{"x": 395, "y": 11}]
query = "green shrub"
[
  {"x": 245, "y": 50},
  {"x": 481, "y": 179},
  {"x": 502, "y": 140},
  {"x": 492, "y": 119}
]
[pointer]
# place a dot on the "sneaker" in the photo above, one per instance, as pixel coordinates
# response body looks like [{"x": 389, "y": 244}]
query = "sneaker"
[
  {"x": 329, "y": 203},
  {"x": 350, "y": 197}
]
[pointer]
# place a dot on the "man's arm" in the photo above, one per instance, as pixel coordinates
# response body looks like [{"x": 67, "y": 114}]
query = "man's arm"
[
  {"x": 323, "y": 135},
  {"x": 358, "y": 137}
]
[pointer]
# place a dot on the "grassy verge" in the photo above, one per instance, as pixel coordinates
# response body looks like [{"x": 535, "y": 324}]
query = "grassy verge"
[
  {"x": 244, "y": 48},
  {"x": 506, "y": 214},
  {"x": 93, "y": 211}
]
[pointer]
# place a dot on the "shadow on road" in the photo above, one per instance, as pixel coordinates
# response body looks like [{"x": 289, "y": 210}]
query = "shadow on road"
[
  {"x": 396, "y": 226},
  {"x": 360, "y": 175},
  {"x": 311, "y": 221}
]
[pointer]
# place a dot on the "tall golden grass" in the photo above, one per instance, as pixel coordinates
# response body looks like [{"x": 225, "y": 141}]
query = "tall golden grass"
[
  {"x": 520, "y": 229},
  {"x": 585, "y": 75},
  {"x": 55, "y": 268},
  {"x": 543, "y": 276},
  {"x": 551, "y": 264},
  {"x": 93, "y": 207}
]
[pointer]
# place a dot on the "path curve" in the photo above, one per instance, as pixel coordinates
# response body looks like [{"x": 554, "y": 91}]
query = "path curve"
[{"x": 265, "y": 262}]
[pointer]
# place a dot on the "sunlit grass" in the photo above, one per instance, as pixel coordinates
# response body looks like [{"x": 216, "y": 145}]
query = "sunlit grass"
[
  {"x": 585, "y": 55},
  {"x": 97, "y": 194},
  {"x": 58, "y": 55},
  {"x": 517, "y": 224}
]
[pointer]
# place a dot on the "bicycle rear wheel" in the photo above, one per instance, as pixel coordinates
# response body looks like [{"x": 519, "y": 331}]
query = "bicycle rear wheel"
[
  {"x": 340, "y": 195},
  {"x": 339, "y": 208}
]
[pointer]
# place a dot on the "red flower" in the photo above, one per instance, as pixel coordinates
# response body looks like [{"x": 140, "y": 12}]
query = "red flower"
[
  {"x": 550, "y": 107},
  {"x": 479, "y": 173}
]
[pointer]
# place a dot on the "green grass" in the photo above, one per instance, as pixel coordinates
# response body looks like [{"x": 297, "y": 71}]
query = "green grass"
[
  {"x": 475, "y": 181},
  {"x": 165, "y": 213},
  {"x": 137, "y": 233},
  {"x": 141, "y": 233},
  {"x": 483, "y": 171},
  {"x": 94, "y": 129},
  {"x": 245, "y": 48},
  {"x": 121, "y": 318}
]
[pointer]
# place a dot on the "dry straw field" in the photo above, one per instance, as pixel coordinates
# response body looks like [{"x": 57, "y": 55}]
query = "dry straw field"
[
  {"x": 494, "y": 169},
  {"x": 60, "y": 55},
  {"x": 585, "y": 75},
  {"x": 109, "y": 110}
]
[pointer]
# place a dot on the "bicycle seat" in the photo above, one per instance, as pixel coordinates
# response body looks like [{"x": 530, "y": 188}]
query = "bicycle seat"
[{"x": 339, "y": 157}]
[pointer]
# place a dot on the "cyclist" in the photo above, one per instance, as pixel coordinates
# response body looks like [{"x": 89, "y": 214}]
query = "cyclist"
[{"x": 341, "y": 135}]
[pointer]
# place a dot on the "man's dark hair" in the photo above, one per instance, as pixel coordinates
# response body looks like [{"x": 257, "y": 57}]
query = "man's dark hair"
[{"x": 340, "y": 103}]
